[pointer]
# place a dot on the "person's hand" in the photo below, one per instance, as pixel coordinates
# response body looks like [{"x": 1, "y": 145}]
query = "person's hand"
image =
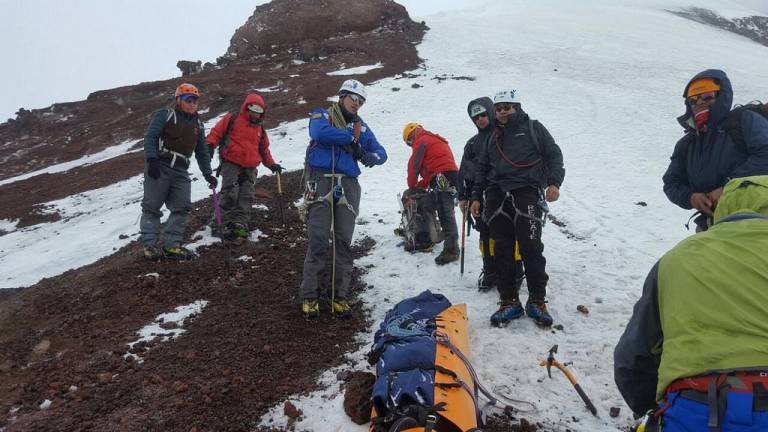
[
  {"x": 474, "y": 208},
  {"x": 715, "y": 196},
  {"x": 369, "y": 159},
  {"x": 552, "y": 194},
  {"x": 155, "y": 168},
  {"x": 701, "y": 202},
  {"x": 276, "y": 168},
  {"x": 212, "y": 181},
  {"x": 463, "y": 206}
]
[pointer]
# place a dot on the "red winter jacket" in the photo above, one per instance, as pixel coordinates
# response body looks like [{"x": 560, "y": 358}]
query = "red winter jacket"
[
  {"x": 431, "y": 156},
  {"x": 248, "y": 143}
]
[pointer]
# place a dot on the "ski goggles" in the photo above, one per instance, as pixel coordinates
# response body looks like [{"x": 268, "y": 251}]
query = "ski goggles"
[
  {"x": 189, "y": 98},
  {"x": 706, "y": 97},
  {"x": 255, "y": 108},
  {"x": 356, "y": 98}
]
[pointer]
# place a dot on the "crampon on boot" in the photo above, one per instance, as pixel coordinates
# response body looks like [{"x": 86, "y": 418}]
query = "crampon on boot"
[
  {"x": 487, "y": 281},
  {"x": 152, "y": 253},
  {"x": 447, "y": 256},
  {"x": 236, "y": 231},
  {"x": 179, "y": 253},
  {"x": 341, "y": 308},
  {"x": 537, "y": 310},
  {"x": 310, "y": 308},
  {"x": 508, "y": 311}
]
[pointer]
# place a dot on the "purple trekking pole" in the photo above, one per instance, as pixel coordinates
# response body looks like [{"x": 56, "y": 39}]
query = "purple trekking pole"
[{"x": 216, "y": 210}]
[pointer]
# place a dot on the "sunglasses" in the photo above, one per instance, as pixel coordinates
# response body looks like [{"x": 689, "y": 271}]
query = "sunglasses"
[
  {"x": 189, "y": 98},
  {"x": 357, "y": 99},
  {"x": 706, "y": 97},
  {"x": 503, "y": 107},
  {"x": 477, "y": 117}
]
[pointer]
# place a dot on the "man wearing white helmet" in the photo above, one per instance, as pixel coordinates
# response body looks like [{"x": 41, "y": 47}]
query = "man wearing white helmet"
[
  {"x": 339, "y": 139},
  {"x": 518, "y": 168}
]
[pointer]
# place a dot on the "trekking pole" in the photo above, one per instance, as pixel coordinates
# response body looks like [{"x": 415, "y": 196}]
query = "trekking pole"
[
  {"x": 280, "y": 198},
  {"x": 216, "y": 209},
  {"x": 463, "y": 236},
  {"x": 550, "y": 361}
]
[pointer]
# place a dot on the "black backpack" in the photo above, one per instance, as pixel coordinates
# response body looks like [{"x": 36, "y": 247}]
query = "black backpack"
[{"x": 732, "y": 123}]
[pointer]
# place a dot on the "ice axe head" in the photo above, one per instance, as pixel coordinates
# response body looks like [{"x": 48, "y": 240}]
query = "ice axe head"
[{"x": 551, "y": 360}]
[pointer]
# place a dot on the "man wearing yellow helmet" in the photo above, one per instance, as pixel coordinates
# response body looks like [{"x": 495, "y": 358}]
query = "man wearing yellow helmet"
[{"x": 433, "y": 162}]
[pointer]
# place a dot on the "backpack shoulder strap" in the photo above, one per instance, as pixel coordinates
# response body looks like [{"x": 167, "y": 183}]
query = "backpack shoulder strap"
[
  {"x": 224, "y": 140},
  {"x": 732, "y": 123},
  {"x": 535, "y": 135}
]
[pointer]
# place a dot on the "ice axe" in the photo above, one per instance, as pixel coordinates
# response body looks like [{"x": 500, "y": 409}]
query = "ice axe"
[
  {"x": 280, "y": 198},
  {"x": 463, "y": 237},
  {"x": 217, "y": 209},
  {"x": 550, "y": 361}
]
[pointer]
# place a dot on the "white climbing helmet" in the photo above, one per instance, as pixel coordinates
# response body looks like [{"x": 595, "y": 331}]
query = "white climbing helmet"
[
  {"x": 353, "y": 86},
  {"x": 507, "y": 96}
]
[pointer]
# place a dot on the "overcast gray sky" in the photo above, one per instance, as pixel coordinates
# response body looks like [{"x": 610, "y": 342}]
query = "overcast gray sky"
[{"x": 62, "y": 50}]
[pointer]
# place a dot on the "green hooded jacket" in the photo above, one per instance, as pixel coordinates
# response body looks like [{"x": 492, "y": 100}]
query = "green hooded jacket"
[{"x": 704, "y": 304}]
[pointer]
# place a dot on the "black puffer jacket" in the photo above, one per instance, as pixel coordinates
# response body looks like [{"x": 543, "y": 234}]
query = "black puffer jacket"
[
  {"x": 510, "y": 159},
  {"x": 472, "y": 147}
]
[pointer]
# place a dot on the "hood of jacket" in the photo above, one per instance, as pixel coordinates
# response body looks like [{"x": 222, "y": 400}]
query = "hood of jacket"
[
  {"x": 719, "y": 110},
  {"x": 486, "y": 103},
  {"x": 251, "y": 99}
]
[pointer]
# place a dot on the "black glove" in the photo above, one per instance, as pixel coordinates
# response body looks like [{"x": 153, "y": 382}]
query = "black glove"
[
  {"x": 369, "y": 159},
  {"x": 357, "y": 151},
  {"x": 155, "y": 168},
  {"x": 276, "y": 168},
  {"x": 212, "y": 181}
]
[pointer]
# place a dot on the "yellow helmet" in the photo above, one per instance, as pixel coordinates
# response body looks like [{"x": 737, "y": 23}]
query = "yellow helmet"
[{"x": 408, "y": 129}]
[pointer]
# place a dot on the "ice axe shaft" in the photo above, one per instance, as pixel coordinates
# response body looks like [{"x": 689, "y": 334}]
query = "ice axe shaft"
[
  {"x": 216, "y": 207},
  {"x": 463, "y": 237},
  {"x": 280, "y": 198},
  {"x": 550, "y": 361}
]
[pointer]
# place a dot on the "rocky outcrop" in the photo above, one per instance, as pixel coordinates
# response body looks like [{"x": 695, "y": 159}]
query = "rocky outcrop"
[
  {"x": 304, "y": 41},
  {"x": 282, "y": 23},
  {"x": 753, "y": 27}
]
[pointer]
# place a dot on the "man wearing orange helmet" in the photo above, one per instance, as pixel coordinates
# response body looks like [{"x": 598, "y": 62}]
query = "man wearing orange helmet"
[
  {"x": 243, "y": 146},
  {"x": 432, "y": 160},
  {"x": 712, "y": 151},
  {"x": 173, "y": 135}
]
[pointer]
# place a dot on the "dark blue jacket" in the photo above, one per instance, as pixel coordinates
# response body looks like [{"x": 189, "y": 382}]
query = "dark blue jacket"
[
  {"x": 704, "y": 162},
  {"x": 328, "y": 145},
  {"x": 155, "y": 131}
]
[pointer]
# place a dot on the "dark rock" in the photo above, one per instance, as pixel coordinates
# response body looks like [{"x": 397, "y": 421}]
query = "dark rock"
[
  {"x": 357, "y": 396},
  {"x": 189, "y": 67},
  {"x": 641, "y": 203},
  {"x": 615, "y": 411},
  {"x": 583, "y": 309},
  {"x": 290, "y": 410}
]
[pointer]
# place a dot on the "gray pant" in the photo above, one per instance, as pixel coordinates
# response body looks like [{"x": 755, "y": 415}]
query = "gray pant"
[
  {"x": 319, "y": 234},
  {"x": 172, "y": 188},
  {"x": 447, "y": 215},
  {"x": 238, "y": 193}
]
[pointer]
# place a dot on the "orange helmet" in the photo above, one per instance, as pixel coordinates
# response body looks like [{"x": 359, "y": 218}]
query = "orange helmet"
[{"x": 186, "y": 88}]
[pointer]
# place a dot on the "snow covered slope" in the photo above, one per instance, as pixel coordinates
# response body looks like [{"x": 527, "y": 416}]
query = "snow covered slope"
[{"x": 606, "y": 78}]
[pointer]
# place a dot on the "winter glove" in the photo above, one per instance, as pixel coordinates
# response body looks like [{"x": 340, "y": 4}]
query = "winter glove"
[
  {"x": 155, "y": 168},
  {"x": 276, "y": 168},
  {"x": 212, "y": 181},
  {"x": 369, "y": 159}
]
